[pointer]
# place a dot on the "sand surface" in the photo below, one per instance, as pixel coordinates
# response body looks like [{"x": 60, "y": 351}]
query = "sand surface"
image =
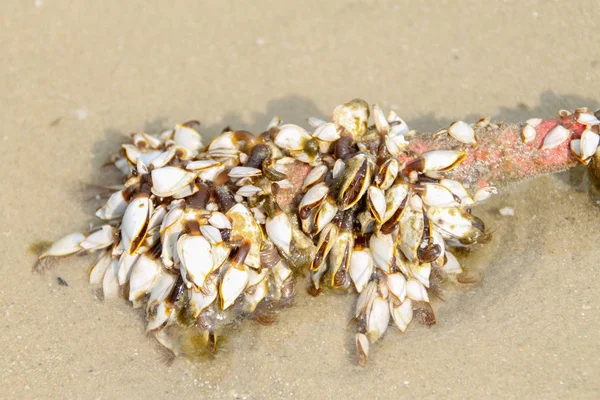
[{"x": 76, "y": 77}]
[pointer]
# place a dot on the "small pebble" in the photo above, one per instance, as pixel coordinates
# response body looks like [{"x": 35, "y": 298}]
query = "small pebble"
[
  {"x": 507, "y": 212},
  {"x": 81, "y": 114}
]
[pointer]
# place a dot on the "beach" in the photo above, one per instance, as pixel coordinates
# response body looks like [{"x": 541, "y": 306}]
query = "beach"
[{"x": 79, "y": 77}]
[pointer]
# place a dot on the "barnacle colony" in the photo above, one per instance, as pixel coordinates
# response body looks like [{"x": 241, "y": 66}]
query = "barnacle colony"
[{"x": 200, "y": 235}]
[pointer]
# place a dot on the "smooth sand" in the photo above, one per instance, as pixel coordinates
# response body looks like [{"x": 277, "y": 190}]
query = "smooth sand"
[{"x": 78, "y": 76}]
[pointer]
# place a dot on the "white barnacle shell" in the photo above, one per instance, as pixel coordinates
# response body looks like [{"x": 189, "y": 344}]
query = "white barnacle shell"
[
  {"x": 458, "y": 190},
  {"x": 361, "y": 268},
  {"x": 575, "y": 146},
  {"x": 416, "y": 291},
  {"x": 313, "y": 198},
  {"x": 244, "y": 172},
  {"x": 462, "y": 132},
  {"x": 143, "y": 274},
  {"x": 274, "y": 122},
  {"x": 402, "y": 314},
  {"x": 535, "y": 122},
  {"x": 437, "y": 195},
  {"x": 528, "y": 133},
  {"x": 255, "y": 277},
  {"x": 365, "y": 299},
  {"x": 167, "y": 340},
  {"x": 381, "y": 123},
  {"x": 291, "y": 137},
  {"x": 171, "y": 181},
  {"x": 483, "y": 122},
  {"x": 449, "y": 221},
  {"x": 146, "y": 159},
  {"x": 397, "y": 125},
  {"x": 316, "y": 175},
  {"x": 362, "y": 348},
  {"x": 327, "y": 133},
  {"x": 316, "y": 122},
  {"x": 158, "y": 315},
  {"x": 355, "y": 180},
  {"x": 327, "y": 238},
  {"x": 110, "y": 283},
  {"x": 588, "y": 119},
  {"x": 244, "y": 226},
  {"x": 170, "y": 229},
  {"x": 378, "y": 318},
  {"x": 376, "y": 202},
  {"x": 367, "y": 222},
  {"x": 249, "y": 191},
  {"x": 132, "y": 153},
  {"x": 395, "y": 144},
  {"x": 202, "y": 165},
  {"x": 212, "y": 234},
  {"x": 219, "y": 220},
  {"x": 279, "y": 230},
  {"x": 200, "y": 300},
  {"x": 455, "y": 223},
  {"x": 589, "y": 143},
  {"x": 141, "y": 139},
  {"x": 452, "y": 266},
  {"x": 100, "y": 239},
  {"x": 325, "y": 214},
  {"x": 196, "y": 260},
  {"x": 484, "y": 193},
  {"x": 397, "y": 285},
  {"x": 233, "y": 283},
  {"x": 317, "y": 274},
  {"x": 555, "y": 137},
  {"x": 64, "y": 246},
  {"x": 412, "y": 226},
  {"x": 259, "y": 214},
  {"x": 224, "y": 141},
  {"x": 442, "y": 160},
  {"x": 141, "y": 167},
  {"x": 338, "y": 168},
  {"x": 187, "y": 137},
  {"x": 421, "y": 272},
  {"x": 210, "y": 173},
  {"x": 394, "y": 197},
  {"x": 388, "y": 171},
  {"x": 163, "y": 158},
  {"x": 382, "y": 250},
  {"x": 564, "y": 113},
  {"x": 220, "y": 252},
  {"x": 281, "y": 273},
  {"x": 352, "y": 116},
  {"x": 135, "y": 223},
  {"x": 123, "y": 165},
  {"x": 98, "y": 269},
  {"x": 438, "y": 239},
  {"x": 161, "y": 289},
  {"x": 340, "y": 255},
  {"x": 255, "y": 292},
  {"x": 114, "y": 208},
  {"x": 126, "y": 263}
]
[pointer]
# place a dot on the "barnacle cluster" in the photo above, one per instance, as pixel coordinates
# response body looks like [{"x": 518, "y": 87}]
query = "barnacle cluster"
[{"x": 202, "y": 235}]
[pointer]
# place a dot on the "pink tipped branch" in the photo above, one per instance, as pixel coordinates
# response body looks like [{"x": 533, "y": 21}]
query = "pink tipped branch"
[{"x": 499, "y": 157}]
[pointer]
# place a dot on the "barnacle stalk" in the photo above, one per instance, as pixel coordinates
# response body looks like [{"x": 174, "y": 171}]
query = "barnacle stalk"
[{"x": 204, "y": 235}]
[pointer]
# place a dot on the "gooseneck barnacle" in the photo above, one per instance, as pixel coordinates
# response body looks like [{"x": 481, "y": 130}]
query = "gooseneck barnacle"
[{"x": 200, "y": 235}]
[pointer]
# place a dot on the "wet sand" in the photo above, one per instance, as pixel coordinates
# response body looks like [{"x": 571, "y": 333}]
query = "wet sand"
[{"x": 76, "y": 79}]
